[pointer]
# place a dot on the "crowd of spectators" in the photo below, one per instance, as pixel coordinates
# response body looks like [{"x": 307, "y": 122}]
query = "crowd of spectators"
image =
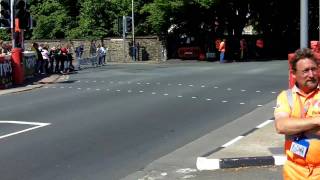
[{"x": 57, "y": 59}]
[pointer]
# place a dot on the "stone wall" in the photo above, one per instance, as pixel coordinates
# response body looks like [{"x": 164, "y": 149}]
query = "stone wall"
[{"x": 150, "y": 48}]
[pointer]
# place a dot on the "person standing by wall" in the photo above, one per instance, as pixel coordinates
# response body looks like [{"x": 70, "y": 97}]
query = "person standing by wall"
[
  {"x": 222, "y": 50},
  {"x": 79, "y": 52},
  {"x": 297, "y": 116},
  {"x": 45, "y": 56},
  {"x": 243, "y": 50},
  {"x": 93, "y": 53}
]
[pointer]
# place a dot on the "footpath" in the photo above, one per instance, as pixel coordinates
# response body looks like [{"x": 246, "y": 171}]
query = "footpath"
[
  {"x": 33, "y": 83},
  {"x": 261, "y": 146}
]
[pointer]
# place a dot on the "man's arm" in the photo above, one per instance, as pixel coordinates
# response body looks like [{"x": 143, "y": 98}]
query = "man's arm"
[{"x": 289, "y": 126}]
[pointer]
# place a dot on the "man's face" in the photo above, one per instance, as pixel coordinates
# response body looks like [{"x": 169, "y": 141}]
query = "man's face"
[{"x": 306, "y": 75}]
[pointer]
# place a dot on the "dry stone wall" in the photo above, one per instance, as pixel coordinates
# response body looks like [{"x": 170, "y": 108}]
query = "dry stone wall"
[{"x": 149, "y": 48}]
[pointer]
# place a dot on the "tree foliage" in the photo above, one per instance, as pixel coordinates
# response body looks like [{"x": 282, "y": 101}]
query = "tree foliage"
[{"x": 94, "y": 19}]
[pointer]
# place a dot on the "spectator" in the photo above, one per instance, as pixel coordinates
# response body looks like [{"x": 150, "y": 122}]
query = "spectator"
[
  {"x": 39, "y": 68},
  {"x": 45, "y": 56},
  {"x": 243, "y": 50},
  {"x": 222, "y": 50}
]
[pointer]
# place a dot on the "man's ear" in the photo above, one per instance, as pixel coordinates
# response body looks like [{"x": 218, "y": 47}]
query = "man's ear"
[{"x": 293, "y": 73}]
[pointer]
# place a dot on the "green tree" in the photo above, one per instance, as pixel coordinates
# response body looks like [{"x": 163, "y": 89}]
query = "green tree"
[
  {"x": 52, "y": 19},
  {"x": 96, "y": 19}
]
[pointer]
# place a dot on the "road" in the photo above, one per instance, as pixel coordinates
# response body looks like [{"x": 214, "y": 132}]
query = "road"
[{"x": 112, "y": 121}]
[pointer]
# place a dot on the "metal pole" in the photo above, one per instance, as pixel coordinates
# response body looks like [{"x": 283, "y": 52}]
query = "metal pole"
[
  {"x": 303, "y": 23},
  {"x": 12, "y": 23},
  {"x": 124, "y": 37},
  {"x": 133, "y": 40}
]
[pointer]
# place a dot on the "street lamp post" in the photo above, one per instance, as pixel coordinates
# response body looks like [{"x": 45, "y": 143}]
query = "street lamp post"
[
  {"x": 303, "y": 23},
  {"x": 133, "y": 40}
]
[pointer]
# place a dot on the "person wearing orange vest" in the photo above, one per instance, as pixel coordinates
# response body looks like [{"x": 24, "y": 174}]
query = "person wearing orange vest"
[
  {"x": 297, "y": 116},
  {"x": 222, "y": 50}
]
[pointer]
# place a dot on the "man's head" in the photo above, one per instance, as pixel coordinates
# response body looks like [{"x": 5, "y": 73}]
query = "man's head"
[{"x": 305, "y": 70}]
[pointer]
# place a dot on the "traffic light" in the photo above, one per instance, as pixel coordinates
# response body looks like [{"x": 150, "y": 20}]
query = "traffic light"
[
  {"x": 5, "y": 14},
  {"x": 128, "y": 24},
  {"x": 22, "y": 15}
]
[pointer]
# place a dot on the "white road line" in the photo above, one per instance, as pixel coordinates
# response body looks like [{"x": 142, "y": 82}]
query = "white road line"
[
  {"x": 179, "y": 96},
  {"x": 36, "y": 124},
  {"x": 70, "y": 87},
  {"x": 273, "y": 92},
  {"x": 232, "y": 141},
  {"x": 193, "y": 97},
  {"x": 98, "y": 89},
  {"x": 179, "y": 84},
  {"x": 229, "y": 89},
  {"x": 191, "y": 85},
  {"x": 166, "y": 94},
  {"x": 242, "y": 103},
  {"x": 108, "y": 89},
  {"x": 141, "y": 91},
  {"x": 258, "y": 91},
  {"x": 88, "y": 88},
  {"x": 264, "y": 123},
  {"x": 216, "y": 87},
  {"x": 259, "y": 105},
  {"x": 203, "y": 86},
  {"x": 208, "y": 99},
  {"x": 61, "y": 87},
  {"x": 129, "y": 91},
  {"x": 153, "y": 93},
  {"x": 118, "y": 90},
  {"x": 243, "y": 90},
  {"x": 79, "y": 88},
  {"x": 224, "y": 101},
  {"x": 94, "y": 81}
]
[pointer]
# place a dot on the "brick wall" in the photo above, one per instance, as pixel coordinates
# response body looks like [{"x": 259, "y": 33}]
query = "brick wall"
[{"x": 150, "y": 48}]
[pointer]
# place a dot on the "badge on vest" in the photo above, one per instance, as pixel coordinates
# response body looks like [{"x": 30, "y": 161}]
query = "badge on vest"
[{"x": 300, "y": 147}]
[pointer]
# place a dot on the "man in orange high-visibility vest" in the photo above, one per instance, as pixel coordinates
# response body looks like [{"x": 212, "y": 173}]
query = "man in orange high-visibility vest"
[{"x": 297, "y": 116}]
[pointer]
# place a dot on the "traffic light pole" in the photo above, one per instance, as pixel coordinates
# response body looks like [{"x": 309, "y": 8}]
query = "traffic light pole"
[
  {"x": 133, "y": 40},
  {"x": 124, "y": 37}
]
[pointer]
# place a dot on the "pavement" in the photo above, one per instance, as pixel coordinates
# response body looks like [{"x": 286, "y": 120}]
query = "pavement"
[
  {"x": 34, "y": 83},
  {"x": 261, "y": 146}
]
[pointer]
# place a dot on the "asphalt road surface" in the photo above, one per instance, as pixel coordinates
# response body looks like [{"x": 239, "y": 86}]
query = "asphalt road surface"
[{"x": 112, "y": 121}]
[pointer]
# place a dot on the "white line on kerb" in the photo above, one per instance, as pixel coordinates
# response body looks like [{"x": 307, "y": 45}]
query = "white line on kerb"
[
  {"x": 36, "y": 124},
  {"x": 264, "y": 123},
  {"x": 232, "y": 141}
]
